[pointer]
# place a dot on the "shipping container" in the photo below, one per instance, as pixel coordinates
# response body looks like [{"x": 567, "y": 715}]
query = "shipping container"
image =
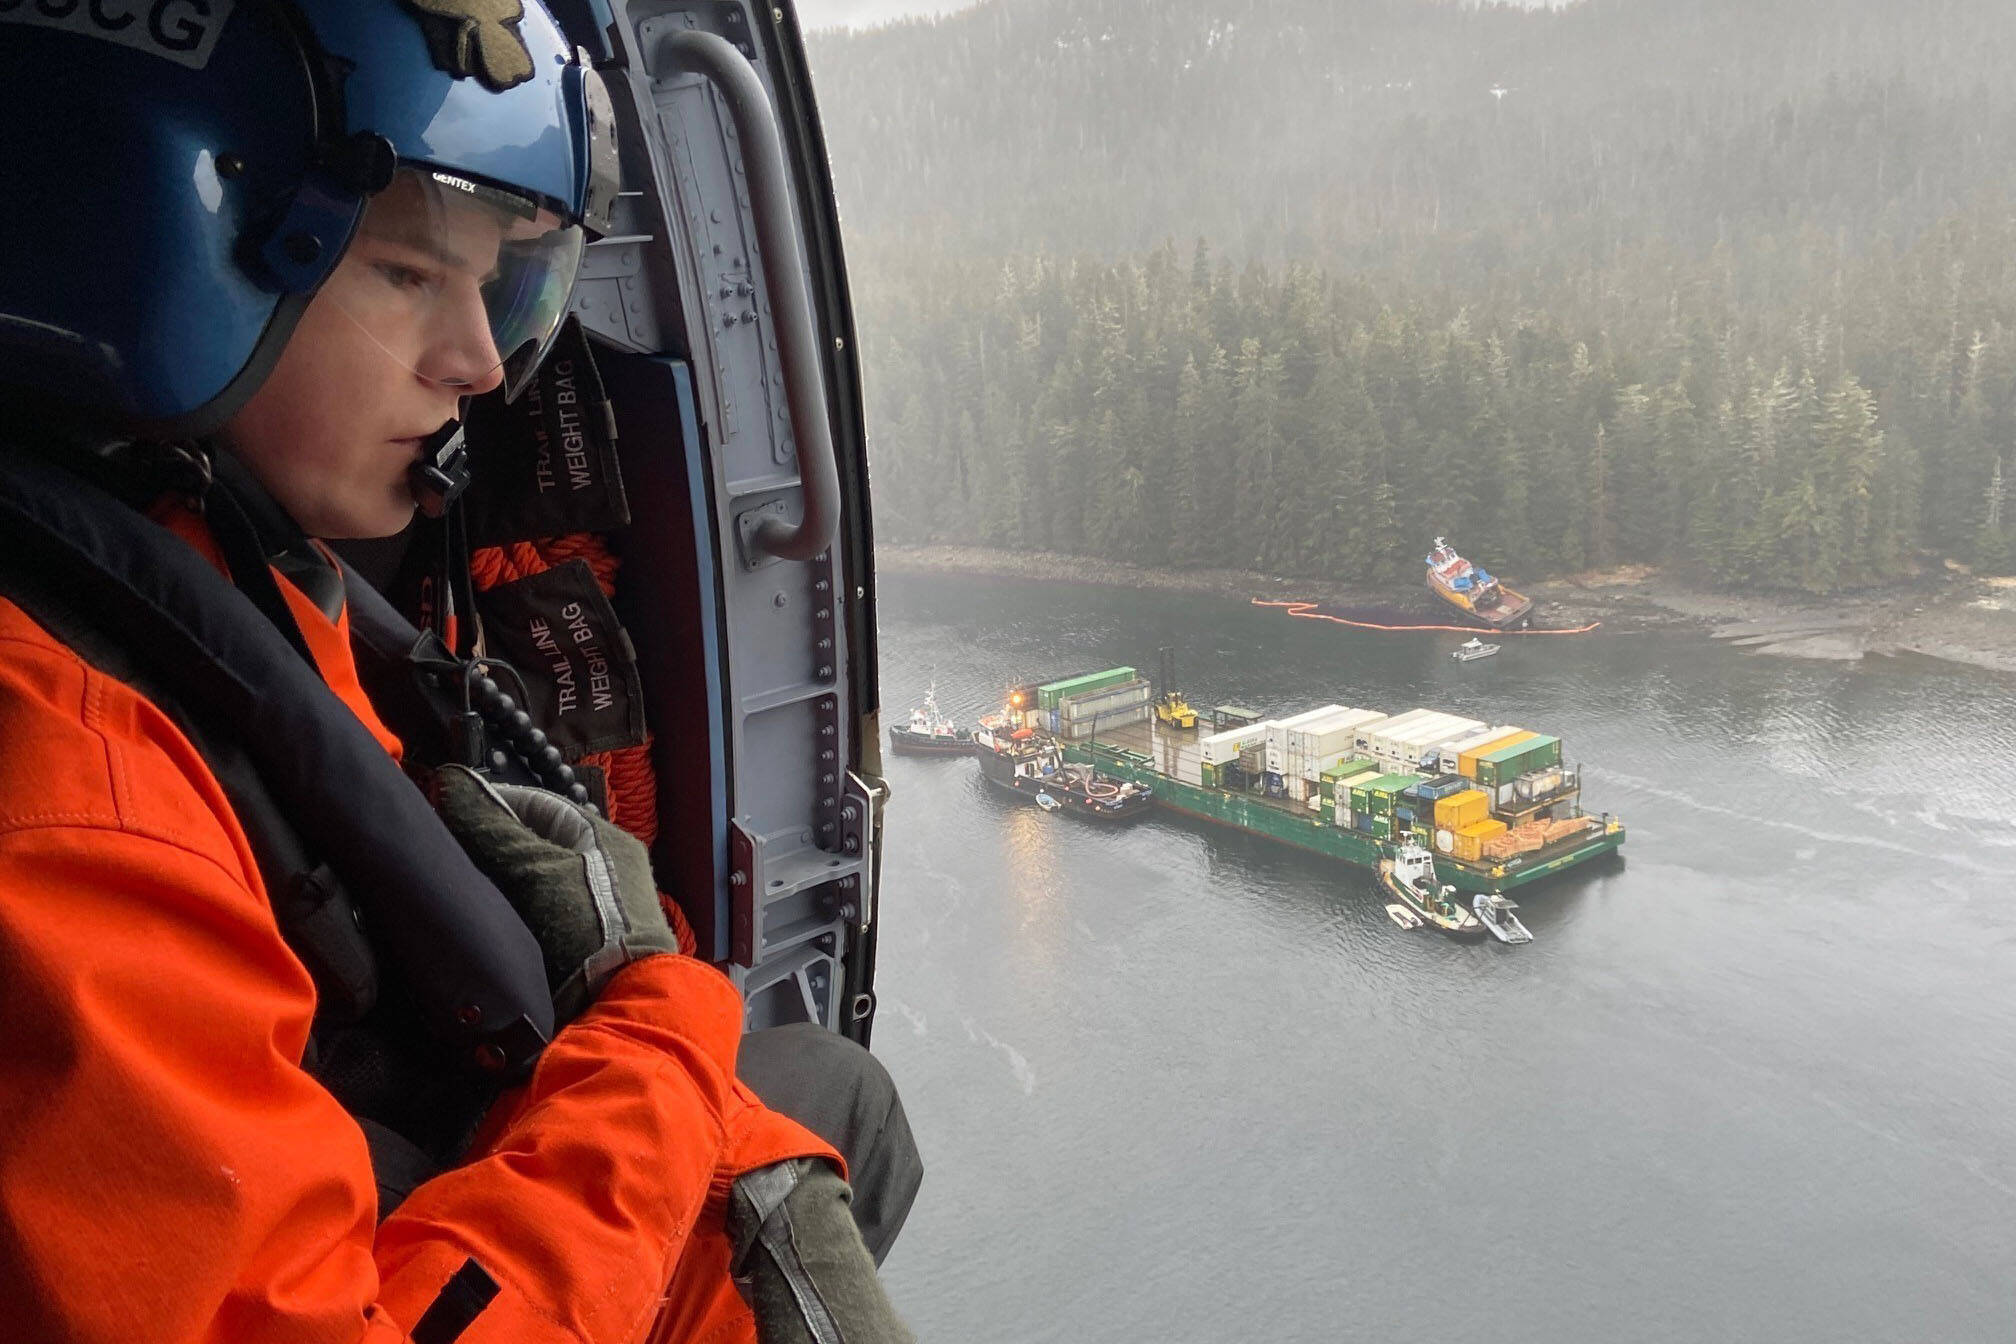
[
  {"x": 1468, "y": 841},
  {"x": 1423, "y": 749},
  {"x": 1345, "y": 786},
  {"x": 1048, "y": 696},
  {"x": 1279, "y": 729},
  {"x": 1445, "y": 839},
  {"x": 1208, "y": 775},
  {"x": 1344, "y": 771},
  {"x": 1467, "y": 765},
  {"x": 1219, "y": 748},
  {"x": 1379, "y": 730},
  {"x": 1382, "y": 827},
  {"x": 1376, "y": 795},
  {"x": 1452, "y": 752},
  {"x": 1086, "y": 729},
  {"x": 1402, "y": 743},
  {"x": 1373, "y": 734},
  {"x": 1507, "y": 763},
  {"x": 1316, "y": 747},
  {"x": 1124, "y": 696},
  {"x": 1463, "y": 809}
]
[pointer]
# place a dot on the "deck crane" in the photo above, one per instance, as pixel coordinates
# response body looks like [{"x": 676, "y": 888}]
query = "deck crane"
[{"x": 1170, "y": 706}]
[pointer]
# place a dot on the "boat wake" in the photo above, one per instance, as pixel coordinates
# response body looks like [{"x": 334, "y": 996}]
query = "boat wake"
[{"x": 1836, "y": 838}]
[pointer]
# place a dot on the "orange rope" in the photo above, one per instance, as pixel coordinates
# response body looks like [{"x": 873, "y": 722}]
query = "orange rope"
[
  {"x": 1307, "y": 611},
  {"x": 632, "y": 792}
]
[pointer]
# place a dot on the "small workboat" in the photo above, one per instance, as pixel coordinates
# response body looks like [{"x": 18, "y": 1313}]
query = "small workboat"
[
  {"x": 1471, "y": 650},
  {"x": 1402, "y": 916},
  {"x": 1410, "y": 876},
  {"x": 930, "y": 732},
  {"x": 1497, "y": 913}
]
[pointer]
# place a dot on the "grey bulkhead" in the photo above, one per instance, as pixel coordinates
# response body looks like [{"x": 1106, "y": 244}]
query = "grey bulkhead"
[{"x": 773, "y": 657}]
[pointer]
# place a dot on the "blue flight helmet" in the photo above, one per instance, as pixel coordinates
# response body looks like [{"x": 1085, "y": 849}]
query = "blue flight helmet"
[{"x": 182, "y": 177}]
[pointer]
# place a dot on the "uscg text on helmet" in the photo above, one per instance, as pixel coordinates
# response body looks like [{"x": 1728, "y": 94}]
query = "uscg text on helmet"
[{"x": 182, "y": 31}]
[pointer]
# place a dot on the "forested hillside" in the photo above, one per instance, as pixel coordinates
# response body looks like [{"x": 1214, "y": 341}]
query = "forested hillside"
[{"x": 1298, "y": 285}]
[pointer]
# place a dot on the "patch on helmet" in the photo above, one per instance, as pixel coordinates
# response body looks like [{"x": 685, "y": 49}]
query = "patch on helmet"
[
  {"x": 175, "y": 30},
  {"x": 477, "y": 39}
]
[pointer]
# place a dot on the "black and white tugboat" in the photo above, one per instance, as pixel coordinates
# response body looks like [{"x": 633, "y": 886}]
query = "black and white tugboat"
[
  {"x": 1411, "y": 878},
  {"x": 1034, "y": 771},
  {"x": 930, "y": 733},
  {"x": 1498, "y": 914}
]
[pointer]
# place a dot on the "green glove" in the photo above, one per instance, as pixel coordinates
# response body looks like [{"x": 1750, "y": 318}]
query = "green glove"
[{"x": 581, "y": 884}]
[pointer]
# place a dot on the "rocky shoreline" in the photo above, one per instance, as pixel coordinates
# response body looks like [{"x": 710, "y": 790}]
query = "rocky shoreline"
[{"x": 1948, "y": 614}]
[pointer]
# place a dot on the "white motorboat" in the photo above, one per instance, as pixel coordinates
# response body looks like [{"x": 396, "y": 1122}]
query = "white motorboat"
[
  {"x": 1498, "y": 914},
  {"x": 1471, "y": 650}
]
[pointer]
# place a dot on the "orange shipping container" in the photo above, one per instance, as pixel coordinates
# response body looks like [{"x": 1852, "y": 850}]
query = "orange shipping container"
[
  {"x": 1461, "y": 810},
  {"x": 1466, "y": 764}
]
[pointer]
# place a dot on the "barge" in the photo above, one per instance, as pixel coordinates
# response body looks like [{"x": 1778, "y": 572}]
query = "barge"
[{"x": 1357, "y": 785}]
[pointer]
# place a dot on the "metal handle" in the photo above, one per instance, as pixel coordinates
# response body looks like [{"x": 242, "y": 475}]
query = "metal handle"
[{"x": 716, "y": 59}]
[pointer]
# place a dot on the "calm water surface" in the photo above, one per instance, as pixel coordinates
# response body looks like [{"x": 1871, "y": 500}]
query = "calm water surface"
[{"x": 1756, "y": 1081}]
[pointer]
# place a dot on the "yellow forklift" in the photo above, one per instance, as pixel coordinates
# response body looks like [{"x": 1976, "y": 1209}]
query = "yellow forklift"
[{"x": 1170, "y": 707}]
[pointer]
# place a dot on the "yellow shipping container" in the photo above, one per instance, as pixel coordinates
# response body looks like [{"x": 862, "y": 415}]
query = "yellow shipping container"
[
  {"x": 1466, "y": 764},
  {"x": 1462, "y": 809},
  {"x": 1468, "y": 843}
]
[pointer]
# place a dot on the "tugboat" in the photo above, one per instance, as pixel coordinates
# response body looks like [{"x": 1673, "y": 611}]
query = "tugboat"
[
  {"x": 1471, "y": 650},
  {"x": 1497, "y": 913},
  {"x": 930, "y": 733},
  {"x": 1471, "y": 590},
  {"x": 1035, "y": 771},
  {"x": 1411, "y": 878}
]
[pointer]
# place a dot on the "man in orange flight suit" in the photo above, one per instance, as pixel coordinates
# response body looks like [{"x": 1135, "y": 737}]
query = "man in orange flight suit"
[{"x": 169, "y": 1170}]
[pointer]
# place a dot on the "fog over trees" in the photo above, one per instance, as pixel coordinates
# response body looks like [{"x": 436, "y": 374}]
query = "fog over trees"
[{"x": 1719, "y": 284}]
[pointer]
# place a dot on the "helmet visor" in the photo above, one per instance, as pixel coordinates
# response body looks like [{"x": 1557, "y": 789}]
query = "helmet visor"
[{"x": 464, "y": 284}]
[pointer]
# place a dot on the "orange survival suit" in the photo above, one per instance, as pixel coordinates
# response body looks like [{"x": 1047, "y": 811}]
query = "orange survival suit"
[{"x": 168, "y": 1169}]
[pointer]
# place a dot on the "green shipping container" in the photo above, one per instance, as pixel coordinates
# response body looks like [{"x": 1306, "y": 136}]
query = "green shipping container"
[
  {"x": 1546, "y": 754},
  {"x": 1210, "y": 776},
  {"x": 1382, "y": 827},
  {"x": 1379, "y": 793},
  {"x": 1351, "y": 769},
  {"x": 1502, "y": 767},
  {"x": 1047, "y": 697}
]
